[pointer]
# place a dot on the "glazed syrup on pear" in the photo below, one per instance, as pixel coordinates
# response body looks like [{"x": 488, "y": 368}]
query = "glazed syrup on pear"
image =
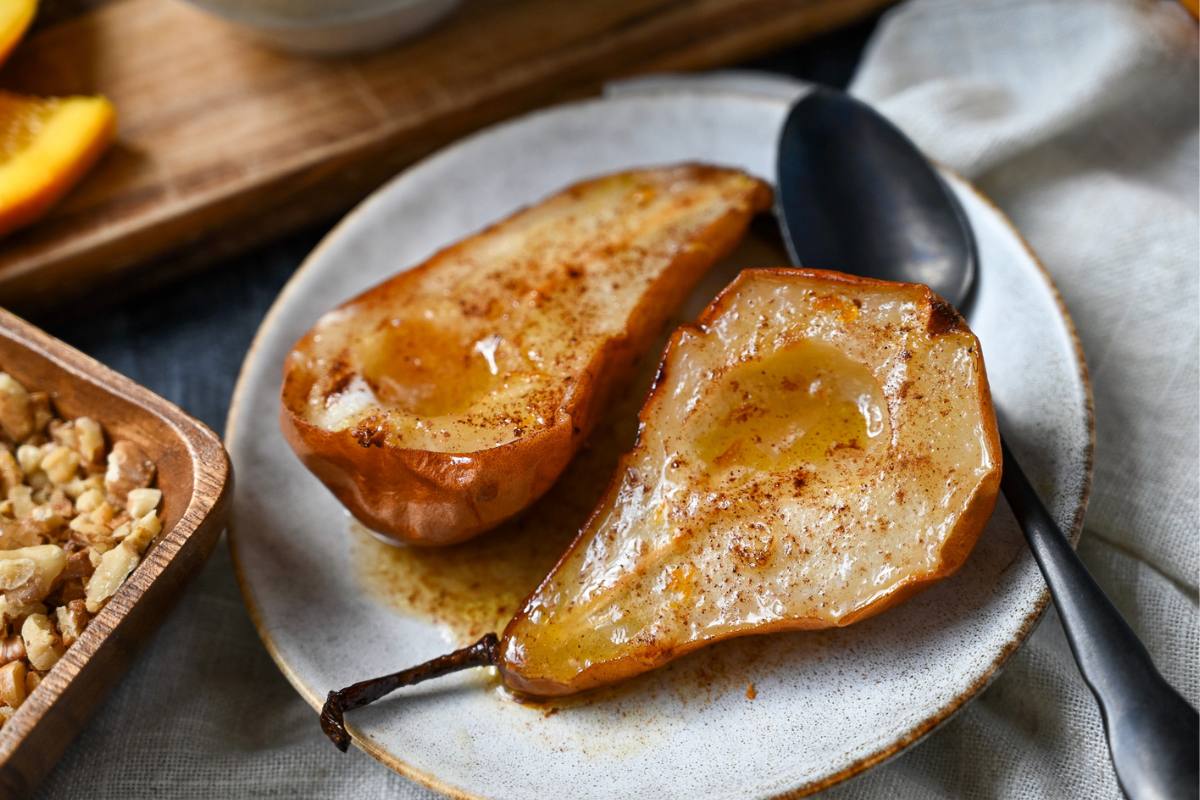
[
  {"x": 798, "y": 405},
  {"x": 424, "y": 370},
  {"x": 477, "y": 586}
]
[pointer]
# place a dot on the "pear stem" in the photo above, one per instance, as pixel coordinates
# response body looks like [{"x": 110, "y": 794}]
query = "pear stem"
[{"x": 483, "y": 653}]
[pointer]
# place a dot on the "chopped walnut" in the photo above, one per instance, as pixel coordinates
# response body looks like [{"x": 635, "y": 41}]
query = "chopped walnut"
[
  {"x": 60, "y": 464},
  {"x": 16, "y": 572},
  {"x": 12, "y": 683},
  {"x": 60, "y": 503},
  {"x": 115, "y": 565},
  {"x": 86, "y": 530},
  {"x": 16, "y": 533},
  {"x": 64, "y": 434},
  {"x": 142, "y": 531},
  {"x": 16, "y": 411},
  {"x": 103, "y": 513},
  {"x": 89, "y": 501},
  {"x": 45, "y": 562},
  {"x": 91, "y": 441},
  {"x": 18, "y": 568},
  {"x": 43, "y": 414},
  {"x": 12, "y": 612},
  {"x": 80, "y": 486},
  {"x": 29, "y": 458},
  {"x": 141, "y": 502},
  {"x": 71, "y": 589},
  {"x": 46, "y": 519},
  {"x": 72, "y": 619},
  {"x": 79, "y": 565},
  {"x": 128, "y": 468},
  {"x": 42, "y": 643},
  {"x": 11, "y": 473},
  {"x": 75, "y": 518},
  {"x": 21, "y": 498},
  {"x": 12, "y": 648}
]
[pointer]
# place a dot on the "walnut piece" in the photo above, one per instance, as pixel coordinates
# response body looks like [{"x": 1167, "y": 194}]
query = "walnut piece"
[
  {"x": 79, "y": 565},
  {"x": 72, "y": 619},
  {"x": 141, "y": 502},
  {"x": 142, "y": 532},
  {"x": 47, "y": 562},
  {"x": 16, "y": 412},
  {"x": 11, "y": 473},
  {"x": 21, "y": 498},
  {"x": 60, "y": 464},
  {"x": 42, "y": 413},
  {"x": 43, "y": 646},
  {"x": 12, "y": 683},
  {"x": 16, "y": 533},
  {"x": 114, "y": 567},
  {"x": 12, "y": 648},
  {"x": 88, "y": 501},
  {"x": 16, "y": 572},
  {"x": 91, "y": 441},
  {"x": 128, "y": 468},
  {"x": 63, "y": 433}
]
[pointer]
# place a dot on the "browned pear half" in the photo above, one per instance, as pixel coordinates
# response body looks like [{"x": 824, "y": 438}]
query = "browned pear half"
[
  {"x": 817, "y": 448},
  {"x": 450, "y": 397}
]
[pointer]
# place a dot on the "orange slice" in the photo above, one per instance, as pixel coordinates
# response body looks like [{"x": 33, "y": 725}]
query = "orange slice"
[
  {"x": 46, "y": 145},
  {"x": 15, "y": 16}
]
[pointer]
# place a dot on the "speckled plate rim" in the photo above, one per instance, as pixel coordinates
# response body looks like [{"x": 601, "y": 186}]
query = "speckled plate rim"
[{"x": 919, "y": 731}]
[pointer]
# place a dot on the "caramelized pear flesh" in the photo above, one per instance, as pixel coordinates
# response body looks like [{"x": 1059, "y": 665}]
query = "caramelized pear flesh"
[
  {"x": 447, "y": 399},
  {"x": 816, "y": 449}
]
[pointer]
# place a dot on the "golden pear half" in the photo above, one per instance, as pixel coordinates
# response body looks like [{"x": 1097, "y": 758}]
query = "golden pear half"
[
  {"x": 450, "y": 397},
  {"x": 817, "y": 448}
]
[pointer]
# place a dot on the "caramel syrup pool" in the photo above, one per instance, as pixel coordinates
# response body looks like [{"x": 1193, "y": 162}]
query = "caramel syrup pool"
[{"x": 471, "y": 588}]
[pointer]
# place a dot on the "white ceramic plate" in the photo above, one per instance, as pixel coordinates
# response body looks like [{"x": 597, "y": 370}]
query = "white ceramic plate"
[{"x": 827, "y": 704}]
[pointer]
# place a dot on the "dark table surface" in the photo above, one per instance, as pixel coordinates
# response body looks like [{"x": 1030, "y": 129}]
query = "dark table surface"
[{"x": 186, "y": 339}]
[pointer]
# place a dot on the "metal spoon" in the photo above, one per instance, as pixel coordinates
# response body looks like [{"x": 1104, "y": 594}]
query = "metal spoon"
[{"x": 856, "y": 194}]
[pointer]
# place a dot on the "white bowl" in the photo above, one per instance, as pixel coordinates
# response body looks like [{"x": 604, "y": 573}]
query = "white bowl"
[{"x": 330, "y": 27}]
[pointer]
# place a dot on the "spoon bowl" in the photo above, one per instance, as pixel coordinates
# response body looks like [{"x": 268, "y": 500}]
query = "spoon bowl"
[{"x": 839, "y": 161}]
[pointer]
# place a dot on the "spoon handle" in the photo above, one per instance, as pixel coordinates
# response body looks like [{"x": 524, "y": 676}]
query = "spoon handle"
[{"x": 1153, "y": 733}]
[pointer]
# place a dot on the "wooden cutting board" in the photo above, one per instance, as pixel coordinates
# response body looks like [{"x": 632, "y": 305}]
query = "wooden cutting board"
[{"x": 224, "y": 144}]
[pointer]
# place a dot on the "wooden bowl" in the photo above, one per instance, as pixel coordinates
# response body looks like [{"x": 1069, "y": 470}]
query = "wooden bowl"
[{"x": 194, "y": 476}]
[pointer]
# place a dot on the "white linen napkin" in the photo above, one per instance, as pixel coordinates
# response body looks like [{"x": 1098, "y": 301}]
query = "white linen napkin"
[{"x": 1080, "y": 120}]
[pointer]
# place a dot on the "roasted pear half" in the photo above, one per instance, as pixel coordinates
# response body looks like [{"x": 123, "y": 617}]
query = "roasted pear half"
[
  {"x": 817, "y": 448},
  {"x": 449, "y": 398}
]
